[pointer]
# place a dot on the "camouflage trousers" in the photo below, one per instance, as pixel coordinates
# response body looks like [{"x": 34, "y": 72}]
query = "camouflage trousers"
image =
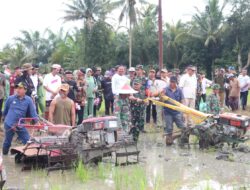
[{"x": 138, "y": 121}]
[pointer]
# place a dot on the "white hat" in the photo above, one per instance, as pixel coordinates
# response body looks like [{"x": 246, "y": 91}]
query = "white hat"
[
  {"x": 88, "y": 69},
  {"x": 131, "y": 69},
  {"x": 126, "y": 89},
  {"x": 56, "y": 66}
]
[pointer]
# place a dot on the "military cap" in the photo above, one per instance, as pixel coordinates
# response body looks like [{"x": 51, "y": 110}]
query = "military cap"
[{"x": 216, "y": 87}]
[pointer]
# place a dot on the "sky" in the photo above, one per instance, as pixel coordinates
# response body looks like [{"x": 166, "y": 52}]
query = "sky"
[{"x": 31, "y": 15}]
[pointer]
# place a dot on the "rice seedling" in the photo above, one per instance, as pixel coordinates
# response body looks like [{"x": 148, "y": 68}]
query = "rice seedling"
[
  {"x": 118, "y": 177},
  {"x": 55, "y": 187},
  {"x": 138, "y": 178},
  {"x": 157, "y": 181},
  {"x": 103, "y": 170},
  {"x": 82, "y": 172},
  {"x": 27, "y": 183}
]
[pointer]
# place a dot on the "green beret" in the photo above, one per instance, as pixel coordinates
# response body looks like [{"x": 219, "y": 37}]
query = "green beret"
[{"x": 216, "y": 87}]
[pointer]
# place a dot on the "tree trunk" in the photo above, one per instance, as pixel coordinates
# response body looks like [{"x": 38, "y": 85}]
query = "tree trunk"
[
  {"x": 239, "y": 60},
  {"x": 248, "y": 61},
  {"x": 130, "y": 45}
]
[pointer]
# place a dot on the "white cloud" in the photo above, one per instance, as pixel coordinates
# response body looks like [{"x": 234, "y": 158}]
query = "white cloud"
[{"x": 16, "y": 15}]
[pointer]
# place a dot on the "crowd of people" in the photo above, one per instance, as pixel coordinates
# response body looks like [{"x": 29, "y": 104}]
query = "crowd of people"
[{"x": 68, "y": 97}]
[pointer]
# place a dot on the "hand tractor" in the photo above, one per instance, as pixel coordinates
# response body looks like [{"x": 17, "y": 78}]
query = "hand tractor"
[
  {"x": 210, "y": 130},
  {"x": 60, "y": 147}
]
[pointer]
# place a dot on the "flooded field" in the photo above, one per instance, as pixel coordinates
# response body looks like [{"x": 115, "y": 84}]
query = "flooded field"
[{"x": 160, "y": 168}]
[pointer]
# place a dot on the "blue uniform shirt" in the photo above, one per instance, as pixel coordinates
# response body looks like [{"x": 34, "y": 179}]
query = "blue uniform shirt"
[
  {"x": 175, "y": 95},
  {"x": 16, "y": 108}
]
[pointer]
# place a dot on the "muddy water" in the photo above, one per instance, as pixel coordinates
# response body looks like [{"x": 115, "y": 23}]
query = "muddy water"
[{"x": 176, "y": 168}]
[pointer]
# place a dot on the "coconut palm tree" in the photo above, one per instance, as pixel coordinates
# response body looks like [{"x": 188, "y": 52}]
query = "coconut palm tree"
[
  {"x": 86, "y": 10},
  {"x": 16, "y": 55},
  {"x": 36, "y": 45},
  {"x": 130, "y": 12},
  {"x": 209, "y": 25},
  {"x": 174, "y": 33}
]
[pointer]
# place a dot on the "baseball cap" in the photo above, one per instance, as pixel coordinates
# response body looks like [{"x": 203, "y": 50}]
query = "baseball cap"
[
  {"x": 82, "y": 70},
  {"x": 152, "y": 70},
  {"x": 173, "y": 79},
  {"x": 68, "y": 72},
  {"x": 139, "y": 67},
  {"x": 164, "y": 70},
  {"x": 21, "y": 85},
  {"x": 56, "y": 66},
  {"x": 27, "y": 66},
  {"x": 131, "y": 69}
]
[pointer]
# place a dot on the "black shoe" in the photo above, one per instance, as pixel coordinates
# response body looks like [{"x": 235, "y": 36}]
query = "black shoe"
[{"x": 5, "y": 151}]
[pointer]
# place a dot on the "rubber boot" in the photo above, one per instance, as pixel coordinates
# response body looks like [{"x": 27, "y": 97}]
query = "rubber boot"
[{"x": 169, "y": 140}]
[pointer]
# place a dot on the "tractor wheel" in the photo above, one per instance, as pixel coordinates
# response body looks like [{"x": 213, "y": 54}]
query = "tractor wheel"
[{"x": 18, "y": 158}]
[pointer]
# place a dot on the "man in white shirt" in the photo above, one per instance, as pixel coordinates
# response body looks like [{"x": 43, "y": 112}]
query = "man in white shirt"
[
  {"x": 52, "y": 83},
  {"x": 156, "y": 87},
  {"x": 244, "y": 81},
  {"x": 119, "y": 80},
  {"x": 188, "y": 84},
  {"x": 205, "y": 83},
  {"x": 164, "y": 76}
]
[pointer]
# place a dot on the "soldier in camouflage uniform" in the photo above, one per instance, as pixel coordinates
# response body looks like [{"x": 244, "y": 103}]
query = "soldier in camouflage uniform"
[
  {"x": 122, "y": 107},
  {"x": 137, "y": 107},
  {"x": 141, "y": 78},
  {"x": 213, "y": 102}
]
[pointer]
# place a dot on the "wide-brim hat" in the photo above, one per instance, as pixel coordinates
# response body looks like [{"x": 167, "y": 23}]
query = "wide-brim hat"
[
  {"x": 126, "y": 89},
  {"x": 64, "y": 87}
]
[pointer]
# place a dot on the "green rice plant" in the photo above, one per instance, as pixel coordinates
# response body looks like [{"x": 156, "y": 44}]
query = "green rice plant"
[
  {"x": 56, "y": 187},
  {"x": 157, "y": 181},
  {"x": 82, "y": 172},
  {"x": 103, "y": 170},
  {"x": 138, "y": 178},
  {"x": 118, "y": 178},
  {"x": 27, "y": 183}
]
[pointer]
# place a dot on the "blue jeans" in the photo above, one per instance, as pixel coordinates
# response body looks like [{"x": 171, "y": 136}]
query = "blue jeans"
[
  {"x": 171, "y": 119},
  {"x": 23, "y": 136}
]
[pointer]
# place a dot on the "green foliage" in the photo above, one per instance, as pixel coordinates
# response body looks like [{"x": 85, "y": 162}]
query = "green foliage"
[{"x": 212, "y": 39}]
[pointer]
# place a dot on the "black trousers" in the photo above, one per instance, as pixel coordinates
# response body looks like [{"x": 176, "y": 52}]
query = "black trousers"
[
  {"x": 149, "y": 112},
  {"x": 243, "y": 97},
  {"x": 1, "y": 107},
  {"x": 80, "y": 114},
  {"x": 109, "y": 105},
  {"x": 198, "y": 100},
  {"x": 227, "y": 98}
]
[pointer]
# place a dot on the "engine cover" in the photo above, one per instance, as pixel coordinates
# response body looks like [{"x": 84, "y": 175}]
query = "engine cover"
[{"x": 234, "y": 120}]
